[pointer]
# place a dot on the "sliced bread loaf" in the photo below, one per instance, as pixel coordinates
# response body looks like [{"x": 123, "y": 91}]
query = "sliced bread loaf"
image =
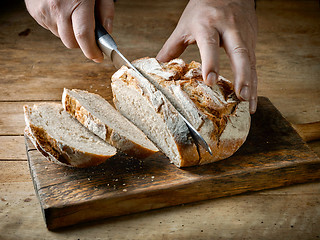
[
  {"x": 215, "y": 112},
  {"x": 101, "y": 118},
  {"x": 149, "y": 110},
  {"x": 62, "y": 139}
]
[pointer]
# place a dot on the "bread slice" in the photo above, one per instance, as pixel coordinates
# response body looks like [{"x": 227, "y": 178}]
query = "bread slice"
[
  {"x": 215, "y": 112},
  {"x": 101, "y": 118},
  {"x": 62, "y": 139}
]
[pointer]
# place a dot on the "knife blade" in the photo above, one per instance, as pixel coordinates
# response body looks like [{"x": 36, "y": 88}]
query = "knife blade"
[{"x": 109, "y": 47}]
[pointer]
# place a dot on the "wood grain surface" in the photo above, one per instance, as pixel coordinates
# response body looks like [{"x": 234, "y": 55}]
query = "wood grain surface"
[
  {"x": 274, "y": 155},
  {"x": 308, "y": 131},
  {"x": 35, "y": 66}
]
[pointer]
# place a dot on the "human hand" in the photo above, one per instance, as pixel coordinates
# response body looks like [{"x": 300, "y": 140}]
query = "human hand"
[
  {"x": 231, "y": 24},
  {"x": 74, "y": 21}
]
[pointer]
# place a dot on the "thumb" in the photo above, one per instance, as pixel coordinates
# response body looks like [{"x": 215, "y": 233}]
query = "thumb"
[
  {"x": 105, "y": 13},
  {"x": 173, "y": 48}
]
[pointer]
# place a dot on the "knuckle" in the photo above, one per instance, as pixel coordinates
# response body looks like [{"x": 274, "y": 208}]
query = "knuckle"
[
  {"x": 219, "y": 14},
  {"x": 210, "y": 40},
  {"x": 54, "y": 6},
  {"x": 186, "y": 39},
  {"x": 204, "y": 36},
  {"x": 82, "y": 34},
  {"x": 225, "y": 13},
  {"x": 231, "y": 15},
  {"x": 240, "y": 50},
  {"x": 39, "y": 13},
  {"x": 232, "y": 20}
]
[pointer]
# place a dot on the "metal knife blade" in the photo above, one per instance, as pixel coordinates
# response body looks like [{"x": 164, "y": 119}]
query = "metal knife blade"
[{"x": 109, "y": 47}]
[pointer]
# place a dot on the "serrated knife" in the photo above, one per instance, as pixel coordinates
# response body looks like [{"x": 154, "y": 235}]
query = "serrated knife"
[{"x": 109, "y": 47}]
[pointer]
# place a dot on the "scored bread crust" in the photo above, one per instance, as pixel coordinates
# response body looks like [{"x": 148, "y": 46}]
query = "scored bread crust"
[
  {"x": 215, "y": 112},
  {"x": 107, "y": 133},
  {"x": 225, "y": 127},
  {"x": 126, "y": 80},
  {"x": 56, "y": 151}
]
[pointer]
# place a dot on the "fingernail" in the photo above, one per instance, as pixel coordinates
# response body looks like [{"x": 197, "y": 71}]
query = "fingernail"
[
  {"x": 108, "y": 25},
  {"x": 245, "y": 93},
  {"x": 211, "y": 79},
  {"x": 253, "y": 106}
]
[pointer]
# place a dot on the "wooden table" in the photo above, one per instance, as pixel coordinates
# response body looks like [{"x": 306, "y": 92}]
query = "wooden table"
[{"x": 35, "y": 66}]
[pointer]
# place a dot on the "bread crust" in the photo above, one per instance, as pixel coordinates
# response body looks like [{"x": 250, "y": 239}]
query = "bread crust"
[
  {"x": 56, "y": 151},
  {"x": 95, "y": 125},
  {"x": 215, "y": 112}
]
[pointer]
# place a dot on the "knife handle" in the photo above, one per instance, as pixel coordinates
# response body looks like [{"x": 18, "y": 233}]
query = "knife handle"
[
  {"x": 100, "y": 30},
  {"x": 104, "y": 40}
]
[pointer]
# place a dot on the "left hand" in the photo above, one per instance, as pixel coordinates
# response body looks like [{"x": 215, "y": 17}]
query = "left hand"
[{"x": 231, "y": 24}]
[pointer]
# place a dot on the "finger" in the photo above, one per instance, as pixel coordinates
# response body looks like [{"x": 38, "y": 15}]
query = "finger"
[
  {"x": 240, "y": 63},
  {"x": 47, "y": 22},
  {"x": 173, "y": 48},
  {"x": 46, "y": 15},
  {"x": 53, "y": 29},
  {"x": 254, "y": 78},
  {"x": 105, "y": 13},
  {"x": 208, "y": 45},
  {"x": 66, "y": 34},
  {"x": 37, "y": 12},
  {"x": 254, "y": 86},
  {"x": 83, "y": 24}
]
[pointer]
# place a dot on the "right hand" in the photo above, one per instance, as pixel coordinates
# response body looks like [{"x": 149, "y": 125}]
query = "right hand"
[{"x": 74, "y": 21}]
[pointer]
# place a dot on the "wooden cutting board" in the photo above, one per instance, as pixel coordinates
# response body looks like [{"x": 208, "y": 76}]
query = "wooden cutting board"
[{"x": 274, "y": 155}]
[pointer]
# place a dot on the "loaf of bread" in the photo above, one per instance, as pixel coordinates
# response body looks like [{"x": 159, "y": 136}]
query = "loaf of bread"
[
  {"x": 101, "y": 118},
  {"x": 62, "y": 139},
  {"x": 215, "y": 112}
]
